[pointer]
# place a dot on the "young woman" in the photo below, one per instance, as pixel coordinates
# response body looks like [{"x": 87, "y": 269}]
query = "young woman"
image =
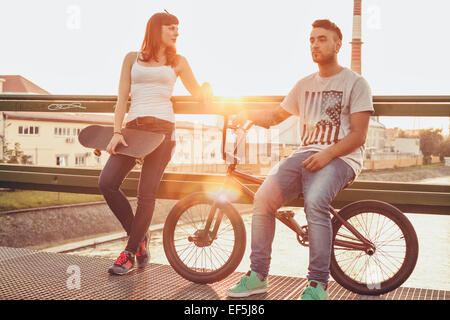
[{"x": 149, "y": 75}]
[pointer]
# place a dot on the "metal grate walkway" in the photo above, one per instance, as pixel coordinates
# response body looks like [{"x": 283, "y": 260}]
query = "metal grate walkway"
[{"x": 27, "y": 274}]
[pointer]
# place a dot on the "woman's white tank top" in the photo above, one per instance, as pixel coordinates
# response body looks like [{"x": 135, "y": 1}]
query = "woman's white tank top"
[{"x": 151, "y": 90}]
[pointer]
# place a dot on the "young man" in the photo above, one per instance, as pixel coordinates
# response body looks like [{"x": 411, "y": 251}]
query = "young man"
[{"x": 334, "y": 106}]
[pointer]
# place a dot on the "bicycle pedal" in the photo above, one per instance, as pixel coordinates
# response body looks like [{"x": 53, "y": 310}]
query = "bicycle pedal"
[{"x": 285, "y": 213}]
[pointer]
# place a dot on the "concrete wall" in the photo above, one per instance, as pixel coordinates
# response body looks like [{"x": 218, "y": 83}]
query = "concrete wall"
[{"x": 41, "y": 227}]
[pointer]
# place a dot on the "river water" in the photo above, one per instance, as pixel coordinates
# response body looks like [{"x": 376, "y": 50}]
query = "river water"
[{"x": 289, "y": 258}]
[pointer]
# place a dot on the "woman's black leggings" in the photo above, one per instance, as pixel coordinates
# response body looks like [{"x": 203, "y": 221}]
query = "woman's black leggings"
[{"x": 118, "y": 167}]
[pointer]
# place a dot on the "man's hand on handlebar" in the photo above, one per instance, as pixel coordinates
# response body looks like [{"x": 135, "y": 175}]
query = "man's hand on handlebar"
[
  {"x": 239, "y": 120},
  {"x": 257, "y": 117}
]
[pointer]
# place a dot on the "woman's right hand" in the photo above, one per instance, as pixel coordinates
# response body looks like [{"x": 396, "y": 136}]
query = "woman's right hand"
[
  {"x": 206, "y": 93},
  {"x": 115, "y": 140}
]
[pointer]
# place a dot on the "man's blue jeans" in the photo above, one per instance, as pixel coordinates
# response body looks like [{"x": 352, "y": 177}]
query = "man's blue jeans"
[{"x": 284, "y": 183}]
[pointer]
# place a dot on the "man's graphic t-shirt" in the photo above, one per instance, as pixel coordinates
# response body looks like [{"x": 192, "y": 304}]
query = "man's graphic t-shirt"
[{"x": 324, "y": 106}]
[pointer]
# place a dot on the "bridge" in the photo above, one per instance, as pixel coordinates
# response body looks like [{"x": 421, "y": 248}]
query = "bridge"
[{"x": 47, "y": 279}]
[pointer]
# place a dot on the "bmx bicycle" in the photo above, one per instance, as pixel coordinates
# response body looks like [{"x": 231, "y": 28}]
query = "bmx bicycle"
[{"x": 375, "y": 247}]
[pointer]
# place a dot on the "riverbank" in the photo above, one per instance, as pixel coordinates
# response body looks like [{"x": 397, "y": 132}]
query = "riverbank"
[{"x": 413, "y": 174}]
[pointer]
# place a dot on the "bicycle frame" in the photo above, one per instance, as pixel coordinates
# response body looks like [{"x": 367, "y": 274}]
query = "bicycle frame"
[
  {"x": 363, "y": 244},
  {"x": 233, "y": 176}
]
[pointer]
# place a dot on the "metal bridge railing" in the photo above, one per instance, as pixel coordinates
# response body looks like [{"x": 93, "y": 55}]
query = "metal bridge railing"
[{"x": 408, "y": 197}]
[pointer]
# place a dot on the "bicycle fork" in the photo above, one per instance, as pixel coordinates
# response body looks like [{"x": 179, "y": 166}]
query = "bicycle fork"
[
  {"x": 209, "y": 236},
  {"x": 204, "y": 237}
]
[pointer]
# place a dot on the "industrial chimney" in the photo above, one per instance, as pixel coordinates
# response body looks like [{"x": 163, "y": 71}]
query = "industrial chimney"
[{"x": 356, "y": 37}]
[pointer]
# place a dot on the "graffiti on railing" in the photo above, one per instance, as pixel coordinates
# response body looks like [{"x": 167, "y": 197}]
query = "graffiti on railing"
[{"x": 62, "y": 106}]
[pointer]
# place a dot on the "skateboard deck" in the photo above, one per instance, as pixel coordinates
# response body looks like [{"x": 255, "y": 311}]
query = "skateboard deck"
[{"x": 140, "y": 142}]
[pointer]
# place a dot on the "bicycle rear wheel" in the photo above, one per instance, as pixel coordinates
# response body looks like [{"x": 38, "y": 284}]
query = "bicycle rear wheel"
[
  {"x": 395, "y": 242},
  {"x": 199, "y": 255}
]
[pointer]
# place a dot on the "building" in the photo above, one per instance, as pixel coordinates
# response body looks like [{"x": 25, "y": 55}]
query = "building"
[
  {"x": 50, "y": 139},
  {"x": 197, "y": 144},
  {"x": 409, "y": 146},
  {"x": 376, "y": 138}
]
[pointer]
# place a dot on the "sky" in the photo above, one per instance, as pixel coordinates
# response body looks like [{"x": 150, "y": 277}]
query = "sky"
[{"x": 241, "y": 47}]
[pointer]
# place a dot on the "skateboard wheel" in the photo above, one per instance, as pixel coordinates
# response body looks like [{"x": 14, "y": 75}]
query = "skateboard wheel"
[{"x": 97, "y": 152}]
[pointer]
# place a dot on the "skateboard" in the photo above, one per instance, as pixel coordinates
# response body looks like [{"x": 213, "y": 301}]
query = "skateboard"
[{"x": 140, "y": 142}]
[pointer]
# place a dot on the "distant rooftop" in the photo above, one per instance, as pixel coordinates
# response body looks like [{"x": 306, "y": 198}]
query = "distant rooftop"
[{"x": 19, "y": 84}]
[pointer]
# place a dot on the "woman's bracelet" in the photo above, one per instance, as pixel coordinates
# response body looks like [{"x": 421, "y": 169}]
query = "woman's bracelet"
[{"x": 118, "y": 132}]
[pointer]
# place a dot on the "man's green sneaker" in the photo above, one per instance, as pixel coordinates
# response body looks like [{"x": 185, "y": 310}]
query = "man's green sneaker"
[
  {"x": 314, "y": 291},
  {"x": 248, "y": 285}
]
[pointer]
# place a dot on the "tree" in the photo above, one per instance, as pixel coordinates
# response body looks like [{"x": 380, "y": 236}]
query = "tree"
[
  {"x": 430, "y": 143},
  {"x": 445, "y": 148},
  {"x": 15, "y": 155},
  {"x": 406, "y": 134}
]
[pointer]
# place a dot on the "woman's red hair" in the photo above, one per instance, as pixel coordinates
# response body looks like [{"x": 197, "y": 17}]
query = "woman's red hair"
[{"x": 152, "y": 40}]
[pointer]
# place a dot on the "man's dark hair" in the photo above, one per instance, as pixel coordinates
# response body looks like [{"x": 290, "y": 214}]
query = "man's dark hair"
[{"x": 328, "y": 25}]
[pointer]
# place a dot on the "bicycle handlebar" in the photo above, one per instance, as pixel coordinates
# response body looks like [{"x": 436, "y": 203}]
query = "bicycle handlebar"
[{"x": 245, "y": 127}]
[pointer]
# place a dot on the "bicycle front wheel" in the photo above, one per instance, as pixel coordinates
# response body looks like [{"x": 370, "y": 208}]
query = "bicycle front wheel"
[
  {"x": 395, "y": 242},
  {"x": 197, "y": 254}
]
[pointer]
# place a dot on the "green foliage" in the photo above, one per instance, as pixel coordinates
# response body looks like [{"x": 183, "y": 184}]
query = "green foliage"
[
  {"x": 430, "y": 143},
  {"x": 15, "y": 155},
  {"x": 22, "y": 199},
  {"x": 445, "y": 148},
  {"x": 404, "y": 134}
]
